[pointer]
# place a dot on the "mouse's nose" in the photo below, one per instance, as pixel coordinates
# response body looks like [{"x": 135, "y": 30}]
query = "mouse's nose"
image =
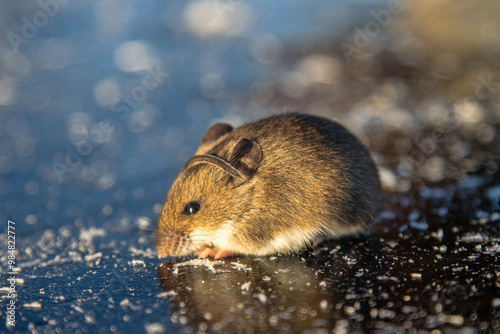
[
  {"x": 162, "y": 252},
  {"x": 171, "y": 245},
  {"x": 162, "y": 246}
]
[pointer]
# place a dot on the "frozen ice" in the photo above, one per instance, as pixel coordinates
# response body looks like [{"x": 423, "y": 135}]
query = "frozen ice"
[{"x": 428, "y": 117}]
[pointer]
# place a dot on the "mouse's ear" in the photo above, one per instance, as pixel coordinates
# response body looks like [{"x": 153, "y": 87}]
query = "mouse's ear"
[
  {"x": 217, "y": 130},
  {"x": 245, "y": 156},
  {"x": 244, "y": 159}
]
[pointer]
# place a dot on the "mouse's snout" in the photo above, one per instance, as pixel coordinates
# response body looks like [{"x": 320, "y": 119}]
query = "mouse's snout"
[{"x": 173, "y": 244}]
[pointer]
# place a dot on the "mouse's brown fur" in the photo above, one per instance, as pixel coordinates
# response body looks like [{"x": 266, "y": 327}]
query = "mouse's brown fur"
[{"x": 273, "y": 186}]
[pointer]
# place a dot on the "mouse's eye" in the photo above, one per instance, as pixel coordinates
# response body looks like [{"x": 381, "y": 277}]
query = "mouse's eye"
[{"x": 192, "y": 208}]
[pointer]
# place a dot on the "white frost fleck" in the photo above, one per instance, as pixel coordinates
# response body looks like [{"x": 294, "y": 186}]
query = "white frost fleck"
[
  {"x": 124, "y": 303},
  {"x": 91, "y": 233},
  {"x": 209, "y": 264},
  {"x": 246, "y": 286},
  {"x": 166, "y": 294},
  {"x": 33, "y": 306},
  {"x": 89, "y": 319},
  {"x": 239, "y": 266},
  {"x": 474, "y": 238},
  {"x": 77, "y": 308},
  {"x": 93, "y": 257},
  {"x": 262, "y": 298},
  {"x": 155, "y": 328},
  {"x": 349, "y": 310},
  {"x": 136, "y": 263},
  {"x": 323, "y": 304},
  {"x": 456, "y": 320},
  {"x": 416, "y": 276}
]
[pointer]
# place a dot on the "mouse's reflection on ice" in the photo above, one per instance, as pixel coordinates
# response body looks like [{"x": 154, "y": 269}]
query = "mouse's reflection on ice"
[{"x": 319, "y": 290}]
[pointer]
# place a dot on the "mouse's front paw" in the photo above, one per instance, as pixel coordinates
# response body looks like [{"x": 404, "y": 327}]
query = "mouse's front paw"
[{"x": 213, "y": 252}]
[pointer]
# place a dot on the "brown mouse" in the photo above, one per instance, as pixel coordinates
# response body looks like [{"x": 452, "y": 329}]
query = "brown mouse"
[{"x": 273, "y": 186}]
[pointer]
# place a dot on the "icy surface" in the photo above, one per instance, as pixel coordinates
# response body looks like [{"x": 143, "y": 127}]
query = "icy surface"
[{"x": 102, "y": 105}]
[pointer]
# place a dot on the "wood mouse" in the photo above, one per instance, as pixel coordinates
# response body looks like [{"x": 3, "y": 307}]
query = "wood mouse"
[{"x": 274, "y": 186}]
